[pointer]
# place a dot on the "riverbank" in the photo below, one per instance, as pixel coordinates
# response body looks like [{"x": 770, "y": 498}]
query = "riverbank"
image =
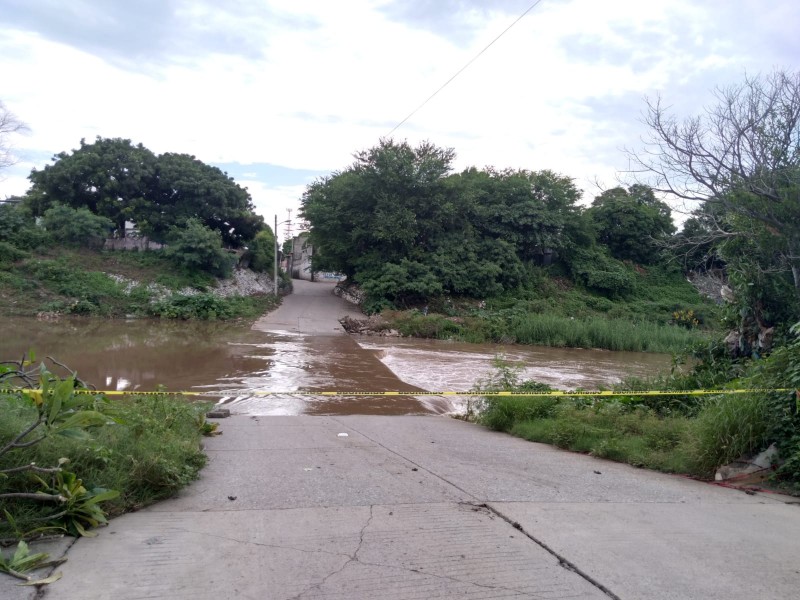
[
  {"x": 57, "y": 281},
  {"x": 664, "y": 314}
]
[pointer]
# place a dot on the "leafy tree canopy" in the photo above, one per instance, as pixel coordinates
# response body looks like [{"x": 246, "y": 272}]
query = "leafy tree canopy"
[
  {"x": 401, "y": 224},
  {"x": 109, "y": 177},
  {"x": 113, "y": 178},
  {"x": 632, "y": 223},
  {"x": 261, "y": 251}
]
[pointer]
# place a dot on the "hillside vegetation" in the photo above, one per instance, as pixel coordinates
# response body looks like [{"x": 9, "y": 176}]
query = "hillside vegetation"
[{"x": 51, "y": 260}]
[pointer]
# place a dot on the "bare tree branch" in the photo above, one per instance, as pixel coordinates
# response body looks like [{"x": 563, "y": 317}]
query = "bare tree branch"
[
  {"x": 9, "y": 125},
  {"x": 742, "y": 154}
]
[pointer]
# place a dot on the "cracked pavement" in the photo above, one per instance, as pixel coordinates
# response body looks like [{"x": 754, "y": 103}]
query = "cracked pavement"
[{"x": 431, "y": 507}]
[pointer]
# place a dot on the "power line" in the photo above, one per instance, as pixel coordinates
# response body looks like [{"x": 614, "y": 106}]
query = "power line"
[{"x": 464, "y": 68}]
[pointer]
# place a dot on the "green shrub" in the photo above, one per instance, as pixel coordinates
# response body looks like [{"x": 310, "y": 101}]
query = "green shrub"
[
  {"x": 597, "y": 271},
  {"x": 77, "y": 226},
  {"x": 210, "y": 308},
  {"x": 262, "y": 252},
  {"x": 148, "y": 451},
  {"x": 10, "y": 254},
  {"x": 501, "y": 412},
  {"x": 197, "y": 247},
  {"x": 197, "y": 306},
  {"x": 18, "y": 228}
]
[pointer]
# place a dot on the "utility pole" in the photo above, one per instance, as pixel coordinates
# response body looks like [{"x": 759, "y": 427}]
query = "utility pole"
[{"x": 275, "y": 273}]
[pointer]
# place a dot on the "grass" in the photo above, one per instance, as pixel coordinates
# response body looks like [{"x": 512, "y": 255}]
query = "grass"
[
  {"x": 694, "y": 435},
  {"x": 611, "y": 334},
  {"x": 148, "y": 454},
  {"x": 551, "y": 310},
  {"x": 608, "y": 429},
  {"x": 76, "y": 281},
  {"x": 725, "y": 428},
  {"x": 549, "y": 330}
]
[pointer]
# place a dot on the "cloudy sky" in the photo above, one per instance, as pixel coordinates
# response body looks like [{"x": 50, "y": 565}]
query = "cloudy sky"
[{"x": 279, "y": 92}]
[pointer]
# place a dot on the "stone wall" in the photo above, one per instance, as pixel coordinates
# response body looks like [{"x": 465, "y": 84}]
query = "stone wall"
[{"x": 131, "y": 243}]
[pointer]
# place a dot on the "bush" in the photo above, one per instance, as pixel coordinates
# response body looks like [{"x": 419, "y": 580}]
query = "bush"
[
  {"x": 10, "y": 254},
  {"x": 18, "y": 228},
  {"x": 597, "y": 271},
  {"x": 130, "y": 452},
  {"x": 76, "y": 226},
  {"x": 262, "y": 252},
  {"x": 197, "y": 247},
  {"x": 198, "y": 306},
  {"x": 210, "y": 308}
]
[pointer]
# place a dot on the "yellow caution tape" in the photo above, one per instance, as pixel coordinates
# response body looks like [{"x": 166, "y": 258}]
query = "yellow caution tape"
[{"x": 37, "y": 394}]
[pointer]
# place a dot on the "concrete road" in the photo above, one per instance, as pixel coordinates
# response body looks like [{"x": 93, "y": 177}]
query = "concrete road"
[
  {"x": 310, "y": 309},
  {"x": 431, "y": 507}
]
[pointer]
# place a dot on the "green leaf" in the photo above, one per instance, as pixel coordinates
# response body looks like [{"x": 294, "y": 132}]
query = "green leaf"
[
  {"x": 102, "y": 495},
  {"x": 21, "y": 552},
  {"x": 45, "y": 581},
  {"x": 83, "y": 419}
]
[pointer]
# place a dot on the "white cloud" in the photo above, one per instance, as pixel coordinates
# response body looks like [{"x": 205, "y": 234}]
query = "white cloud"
[{"x": 315, "y": 81}]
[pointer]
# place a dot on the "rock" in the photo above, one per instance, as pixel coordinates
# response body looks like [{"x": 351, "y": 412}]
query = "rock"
[
  {"x": 732, "y": 342},
  {"x": 374, "y": 325},
  {"x": 746, "y": 466},
  {"x": 350, "y": 292},
  {"x": 218, "y": 413},
  {"x": 765, "y": 337},
  {"x": 727, "y": 293}
]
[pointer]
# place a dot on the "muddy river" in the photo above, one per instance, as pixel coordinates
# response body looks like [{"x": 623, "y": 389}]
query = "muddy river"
[{"x": 237, "y": 365}]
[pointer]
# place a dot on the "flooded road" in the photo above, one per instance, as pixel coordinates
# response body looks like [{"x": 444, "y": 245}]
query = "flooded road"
[{"x": 236, "y": 363}]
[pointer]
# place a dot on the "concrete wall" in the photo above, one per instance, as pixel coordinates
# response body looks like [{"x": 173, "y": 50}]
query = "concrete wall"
[
  {"x": 300, "y": 262},
  {"x": 301, "y": 257},
  {"x": 131, "y": 243}
]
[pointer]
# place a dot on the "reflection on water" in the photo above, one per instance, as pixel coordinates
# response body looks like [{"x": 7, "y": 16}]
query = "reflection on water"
[{"x": 235, "y": 363}]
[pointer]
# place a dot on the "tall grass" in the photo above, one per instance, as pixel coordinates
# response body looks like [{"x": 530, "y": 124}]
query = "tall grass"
[
  {"x": 610, "y": 334},
  {"x": 606, "y": 430},
  {"x": 729, "y": 427},
  {"x": 726, "y": 428}
]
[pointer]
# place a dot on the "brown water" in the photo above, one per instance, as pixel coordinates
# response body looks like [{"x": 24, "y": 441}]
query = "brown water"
[{"x": 235, "y": 363}]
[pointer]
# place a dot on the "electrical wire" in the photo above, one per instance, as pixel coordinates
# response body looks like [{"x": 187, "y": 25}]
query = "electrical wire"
[{"x": 464, "y": 68}]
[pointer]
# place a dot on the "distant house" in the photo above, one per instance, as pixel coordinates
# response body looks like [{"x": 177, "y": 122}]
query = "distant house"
[{"x": 298, "y": 262}]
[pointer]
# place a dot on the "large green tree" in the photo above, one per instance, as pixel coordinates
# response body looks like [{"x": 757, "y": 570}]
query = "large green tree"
[
  {"x": 116, "y": 179},
  {"x": 110, "y": 177},
  {"x": 632, "y": 223},
  {"x": 183, "y": 187},
  {"x": 386, "y": 207},
  {"x": 534, "y": 211},
  {"x": 401, "y": 224}
]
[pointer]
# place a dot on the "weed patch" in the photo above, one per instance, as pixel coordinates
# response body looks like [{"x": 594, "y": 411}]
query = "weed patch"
[{"x": 94, "y": 456}]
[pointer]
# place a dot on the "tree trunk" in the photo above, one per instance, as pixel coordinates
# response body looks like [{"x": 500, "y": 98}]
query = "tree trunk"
[{"x": 794, "y": 261}]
